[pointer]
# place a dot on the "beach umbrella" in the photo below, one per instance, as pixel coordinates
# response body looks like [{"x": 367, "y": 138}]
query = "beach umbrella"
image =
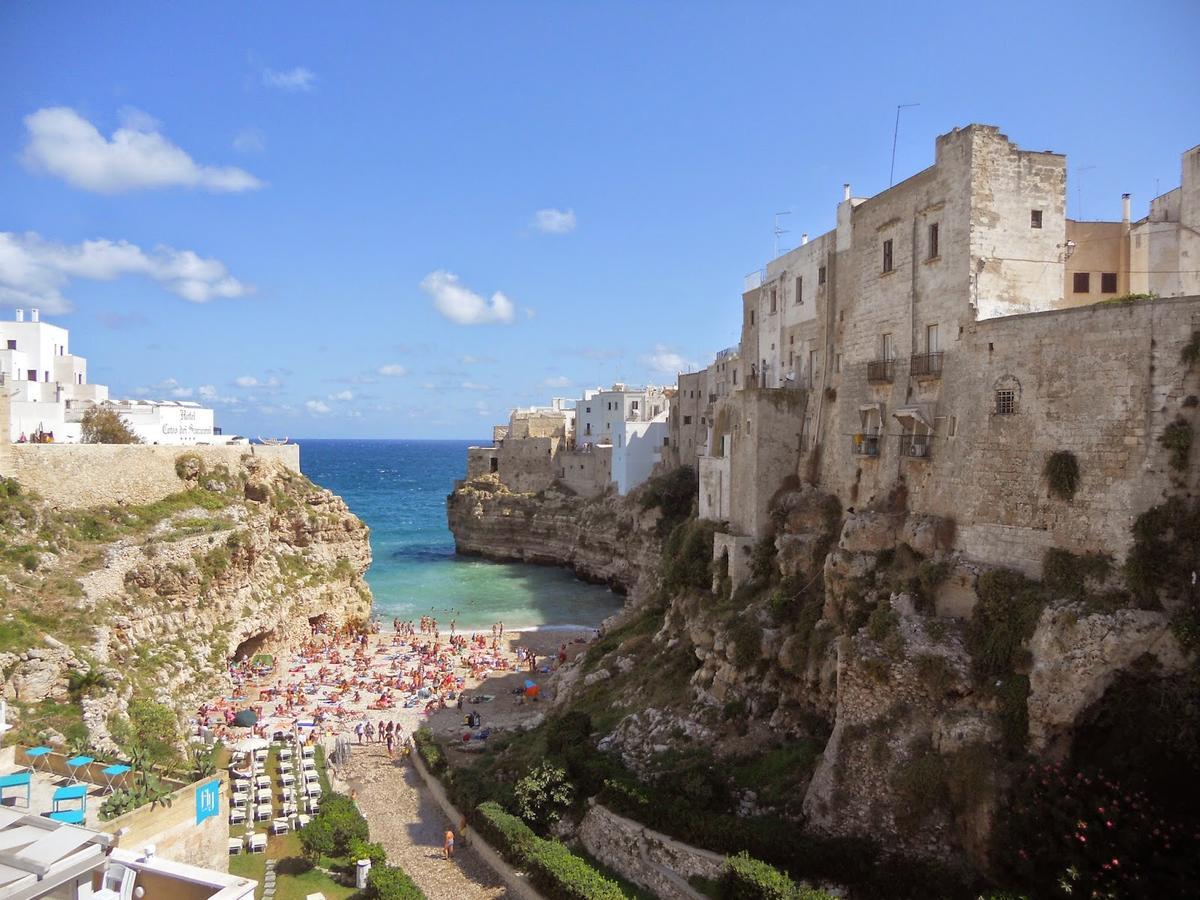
[
  {"x": 250, "y": 744},
  {"x": 247, "y": 718}
]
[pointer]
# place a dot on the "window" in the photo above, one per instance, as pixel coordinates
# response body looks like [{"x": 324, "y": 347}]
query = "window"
[
  {"x": 933, "y": 241},
  {"x": 887, "y": 347},
  {"x": 32, "y": 374},
  {"x": 1108, "y": 282},
  {"x": 1035, "y": 218},
  {"x": 837, "y": 363},
  {"x": 1083, "y": 282},
  {"x": 887, "y": 255},
  {"x": 735, "y": 371},
  {"x": 633, "y": 405},
  {"x": 666, "y": 442},
  {"x": 589, "y": 409},
  {"x": 1006, "y": 402},
  {"x": 814, "y": 362},
  {"x": 687, "y": 420},
  {"x": 931, "y": 339},
  {"x": 751, "y": 317},
  {"x": 774, "y": 299},
  {"x": 821, "y": 275},
  {"x": 12, "y": 345},
  {"x": 800, "y": 290}
]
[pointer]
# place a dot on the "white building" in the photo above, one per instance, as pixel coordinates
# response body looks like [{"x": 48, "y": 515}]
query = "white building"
[
  {"x": 599, "y": 415},
  {"x": 637, "y": 447},
  {"x": 48, "y": 392}
]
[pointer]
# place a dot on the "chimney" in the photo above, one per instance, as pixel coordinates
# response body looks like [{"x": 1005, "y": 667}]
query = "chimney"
[
  {"x": 1125, "y": 208},
  {"x": 33, "y": 315},
  {"x": 20, "y": 315},
  {"x": 804, "y": 239},
  {"x": 845, "y": 192}
]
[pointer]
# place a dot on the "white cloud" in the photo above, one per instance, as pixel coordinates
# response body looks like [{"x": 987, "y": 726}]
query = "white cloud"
[
  {"x": 462, "y": 305},
  {"x": 554, "y": 221},
  {"x": 297, "y": 79},
  {"x": 472, "y": 386},
  {"x": 559, "y": 381},
  {"x": 666, "y": 360},
  {"x": 63, "y": 143},
  {"x": 392, "y": 370},
  {"x": 181, "y": 393},
  {"x": 249, "y": 381},
  {"x": 33, "y": 271},
  {"x": 207, "y": 392},
  {"x": 343, "y": 396},
  {"x": 317, "y": 407},
  {"x": 250, "y": 140}
]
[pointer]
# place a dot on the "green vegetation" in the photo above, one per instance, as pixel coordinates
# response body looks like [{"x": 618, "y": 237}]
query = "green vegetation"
[
  {"x": 687, "y": 561},
  {"x": 1159, "y": 567},
  {"x": 1190, "y": 354},
  {"x": 334, "y": 829},
  {"x": 1062, "y": 474},
  {"x": 747, "y": 878},
  {"x": 674, "y": 494},
  {"x": 103, "y": 425},
  {"x": 1003, "y": 621},
  {"x": 391, "y": 883},
  {"x": 544, "y": 794},
  {"x": 1177, "y": 437}
]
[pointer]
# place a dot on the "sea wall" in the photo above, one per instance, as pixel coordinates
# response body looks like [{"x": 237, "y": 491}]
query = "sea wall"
[
  {"x": 654, "y": 861},
  {"x": 82, "y": 475}
]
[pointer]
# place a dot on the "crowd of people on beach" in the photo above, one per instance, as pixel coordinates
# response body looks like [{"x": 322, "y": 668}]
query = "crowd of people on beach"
[{"x": 356, "y": 680}]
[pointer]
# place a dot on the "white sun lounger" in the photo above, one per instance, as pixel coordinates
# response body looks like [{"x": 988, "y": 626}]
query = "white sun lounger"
[
  {"x": 235, "y": 846},
  {"x": 258, "y": 843}
]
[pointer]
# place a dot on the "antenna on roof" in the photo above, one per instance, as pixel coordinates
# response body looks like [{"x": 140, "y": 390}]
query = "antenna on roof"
[
  {"x": 779, "y": 230},
  {"x": 895, "y": 135}
]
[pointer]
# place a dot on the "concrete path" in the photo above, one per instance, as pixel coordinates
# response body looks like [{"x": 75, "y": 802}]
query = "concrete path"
[{"x": 409, "y": 824}]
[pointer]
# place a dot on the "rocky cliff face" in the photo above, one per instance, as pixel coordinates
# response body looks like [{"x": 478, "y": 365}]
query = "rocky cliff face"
[
  {"x": 920, "y": 683},
  {"x": 154, "y": 600},
  {"x": 607, "y": 540}
]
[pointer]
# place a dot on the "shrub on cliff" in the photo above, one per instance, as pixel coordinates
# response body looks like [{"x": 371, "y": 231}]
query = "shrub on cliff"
[
  {"x": 674, "y": 494},
  {"x": 560, "y": 874},
  {"x": 332, "y": 830},
  {"x": 688, "y": 556},
  {"x": 543, "y": 794},
  {"x": 102, "y": 425}
]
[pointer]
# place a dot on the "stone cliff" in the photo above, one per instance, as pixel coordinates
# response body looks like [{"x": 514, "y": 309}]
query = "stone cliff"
[
  {"x": 606, "y": 540},
  {"x": 105, "y": 604},
  {"x": 868, "y": 681}
]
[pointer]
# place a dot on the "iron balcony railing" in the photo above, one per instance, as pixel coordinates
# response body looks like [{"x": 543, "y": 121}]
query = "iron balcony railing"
[
  {"x": 926, "y": 365},
  {"x": 916, "y": 446},
  {"x": 865, "y": 445},
  {"x": 881, "y": 370}
]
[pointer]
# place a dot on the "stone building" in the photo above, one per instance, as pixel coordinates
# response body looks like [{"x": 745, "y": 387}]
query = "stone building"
[{"x": 934, "y": 339}]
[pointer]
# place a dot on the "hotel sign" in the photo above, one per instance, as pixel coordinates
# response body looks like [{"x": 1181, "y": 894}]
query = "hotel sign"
[{"x": 208, "y": 800}]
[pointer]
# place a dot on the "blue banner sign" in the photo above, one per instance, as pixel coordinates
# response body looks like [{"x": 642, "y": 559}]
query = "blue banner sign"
[{"x": 208, "y": 800}]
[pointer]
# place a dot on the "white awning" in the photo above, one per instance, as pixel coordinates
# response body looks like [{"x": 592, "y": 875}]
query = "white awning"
[{"x": 914, "y": 414}]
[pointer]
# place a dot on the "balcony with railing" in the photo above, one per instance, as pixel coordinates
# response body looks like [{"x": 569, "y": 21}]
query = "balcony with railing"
[
  {"x": 865, "y": 445},
  {"x": 881, "y": 371},
  {"x": 915, "y": 446},
  {"x": 926, "y": 365}
]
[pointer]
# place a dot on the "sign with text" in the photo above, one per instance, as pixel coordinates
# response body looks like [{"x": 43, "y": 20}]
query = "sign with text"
[{"x": 208, "y": 800}]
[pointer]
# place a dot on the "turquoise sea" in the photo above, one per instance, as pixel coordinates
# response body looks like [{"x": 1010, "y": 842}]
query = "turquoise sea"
[{"x": 399, "y": 489}]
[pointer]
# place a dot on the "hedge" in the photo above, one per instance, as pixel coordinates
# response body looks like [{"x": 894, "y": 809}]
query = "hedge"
[
  {"x": 391, "y": 883},
  {"x": 747, "y": 878},
  {"x": 434, "y": 758},
  {"x": 561, "y": 874},
  {"x": 511, "y": 835},
  {"x": 556, "y": 871}
]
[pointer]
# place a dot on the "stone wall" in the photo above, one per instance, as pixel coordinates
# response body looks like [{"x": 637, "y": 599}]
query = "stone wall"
[
  {"x": 83, "y": 475},
  {"x": 173, "y": 830},
  {"x": 527, "y": 465},
  {"x": 1101, "y": 382},
  {"x": 587, "y": 472},
  {"x": 652, "y": 860}
]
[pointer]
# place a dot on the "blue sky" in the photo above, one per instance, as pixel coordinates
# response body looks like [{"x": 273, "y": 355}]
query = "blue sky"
[{"x": 324, "y": 219}]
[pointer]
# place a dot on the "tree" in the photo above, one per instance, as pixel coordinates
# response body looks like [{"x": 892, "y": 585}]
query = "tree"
[
  {"x": 103, "y": 425},
  {"x": 543, "y": 794},
  {"x": 150, "y": 734}
]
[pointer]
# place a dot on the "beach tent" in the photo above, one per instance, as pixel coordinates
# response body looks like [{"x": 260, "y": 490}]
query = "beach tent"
[
  {"x": 247, "y": 718},
  {"x": 531, "y": 689}
]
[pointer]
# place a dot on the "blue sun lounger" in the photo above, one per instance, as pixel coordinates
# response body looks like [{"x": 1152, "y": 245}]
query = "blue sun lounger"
[
  {"x": 67, "y": 794},
  {"x": 16, "y": 780}
]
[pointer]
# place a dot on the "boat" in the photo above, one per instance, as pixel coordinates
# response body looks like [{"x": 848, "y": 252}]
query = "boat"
[{"x": 273, "y": 442}]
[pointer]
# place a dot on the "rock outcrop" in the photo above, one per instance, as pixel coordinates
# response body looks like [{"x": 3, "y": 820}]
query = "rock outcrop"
[{"x": 154, "y": 600}]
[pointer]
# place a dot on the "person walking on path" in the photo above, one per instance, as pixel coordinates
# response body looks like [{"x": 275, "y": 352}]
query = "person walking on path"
[{"x": 448, "y": 846}]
